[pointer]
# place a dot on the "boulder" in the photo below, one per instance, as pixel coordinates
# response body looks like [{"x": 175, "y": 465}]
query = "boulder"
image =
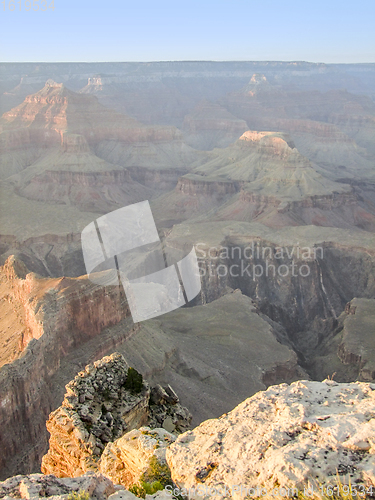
[
  {"x": 129, "y": 457},
  {"x": 287, "y": 436}
]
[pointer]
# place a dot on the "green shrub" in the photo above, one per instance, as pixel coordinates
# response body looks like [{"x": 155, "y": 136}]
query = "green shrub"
[
  {"x": 157, "y": 472},
  {"x": 80, "y": 495},
  {"x": 134, "y": 381},
  {"x": 143, "y": 488}
]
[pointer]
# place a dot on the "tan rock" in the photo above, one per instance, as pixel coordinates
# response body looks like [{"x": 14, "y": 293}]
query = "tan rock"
[
  {"x": 125, "y": 460},
  {"x": 83, "y": 425},
  {"x": 282, "y": 437},
  {"x": 35, "y": 486}
]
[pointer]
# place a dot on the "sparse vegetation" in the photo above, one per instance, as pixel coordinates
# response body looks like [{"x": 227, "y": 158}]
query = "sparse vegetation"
[
  {"x": 156, "y": 478},
  {"x": 157, "y": 472},
  {"x": 143, "y": 488},
  {"x": 79, "y": 495},
  {"x": 134, "y": 381}
]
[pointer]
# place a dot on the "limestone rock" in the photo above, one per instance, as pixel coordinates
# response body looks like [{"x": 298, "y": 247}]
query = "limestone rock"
[
  {"x": 285, "y": 436},
  {"x": 99, "y": 408},
  {"x": 125, "y": 460},
  {"x": 35, "y": 486}
]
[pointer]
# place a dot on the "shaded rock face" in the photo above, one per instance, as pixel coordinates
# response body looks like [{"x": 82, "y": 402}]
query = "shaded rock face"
[
  {"x": 358, "y": 342},
  {"x": 48, "y": 255},
  {"x": 87, "y": 308},
  {"x": 38, "y": 486},
  {"x": 90, "y": 191},
  {"x": 328, "y": 285},
  {"x": 286, "y": 436},
  {"x": 98, "y": 408}
]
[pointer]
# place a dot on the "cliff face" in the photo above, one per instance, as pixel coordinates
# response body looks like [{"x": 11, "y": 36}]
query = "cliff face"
[
  {"x": 325, "y": 255},
  {"x": 63, "y": 314},
  {"x": 357, "y": 344},
  {"x": 45, "y": 119},
  {"x": 89, "y": 191},
  {"x": 196, "y": 185},
  {"x": 55, "y": 109}
]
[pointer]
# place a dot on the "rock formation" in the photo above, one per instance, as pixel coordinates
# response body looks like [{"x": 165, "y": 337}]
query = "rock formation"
[
  {"x": 60, "y": 316},
  {"x": 210, "y": 125},
  {"x": 270, "y": 182},
  {"x": 101, "y": 404},
  {"x": 67, "y": 158},
  {"x": 39, "y": 486},
  {"x": 287, "y": 436},
  {"x": 128, "y": 459}
]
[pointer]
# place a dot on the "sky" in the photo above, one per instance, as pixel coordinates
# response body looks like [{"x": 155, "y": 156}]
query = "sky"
[{"x": 327, "y": 31}]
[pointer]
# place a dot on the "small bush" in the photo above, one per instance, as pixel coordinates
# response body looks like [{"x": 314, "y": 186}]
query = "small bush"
[
  {"x": 157, "y": 472},
  {"x": 143, "y": 488},
  {"x": 134, "y": 381},
  {"x": 80, "y": 495}
]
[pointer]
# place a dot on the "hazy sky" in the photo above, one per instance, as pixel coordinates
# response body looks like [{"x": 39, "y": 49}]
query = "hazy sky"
[{"x": 114, "y": 30}]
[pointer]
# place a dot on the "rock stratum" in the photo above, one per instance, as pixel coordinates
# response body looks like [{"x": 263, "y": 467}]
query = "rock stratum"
[{"x": 263, "y": 177}]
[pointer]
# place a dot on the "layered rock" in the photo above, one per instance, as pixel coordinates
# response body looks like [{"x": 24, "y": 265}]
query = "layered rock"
[
  {"x": 280, "y": 187},
  {"x": 210, "y": 125},
  {"x": 336, "y": 155},
  {"x": 285, "y": 437},
  {"x": 330, "y": 256},
  {"x": 44, "y": 118},
  {"x": 100, "y": 405},
  {"x": 62, "y": 315},
  {"x": 194, "y": 195}
]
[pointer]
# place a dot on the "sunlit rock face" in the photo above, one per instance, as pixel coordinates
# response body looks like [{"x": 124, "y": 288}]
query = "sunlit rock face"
[
  {"x": 104, "y": 402},
  {"x": 286, "y": 436}
]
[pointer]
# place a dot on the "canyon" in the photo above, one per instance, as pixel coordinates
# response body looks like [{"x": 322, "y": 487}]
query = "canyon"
[{"x": 232, "y": 157}]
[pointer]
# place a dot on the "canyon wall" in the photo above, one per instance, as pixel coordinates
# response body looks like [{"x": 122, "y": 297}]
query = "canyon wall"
[{"x": 67, "y": 314}]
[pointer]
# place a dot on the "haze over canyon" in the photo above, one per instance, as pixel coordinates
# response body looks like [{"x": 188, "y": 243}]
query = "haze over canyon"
[{"x": 267, "y": 168}]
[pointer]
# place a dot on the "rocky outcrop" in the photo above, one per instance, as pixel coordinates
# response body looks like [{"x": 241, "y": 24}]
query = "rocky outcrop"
[
  {"x": 327, "y": 256},
  {"x": 194, "y": 185},
  {"x": 37, "y": 486},
  {"x": 97, "y": 409},
  {"x": 44, "y": 119},
  {"x": 285, "y": 437},
  {"x": 102, "y": 403},
  {"x": 128, "y": 459},
  {"x": 193, "y": 195}
]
